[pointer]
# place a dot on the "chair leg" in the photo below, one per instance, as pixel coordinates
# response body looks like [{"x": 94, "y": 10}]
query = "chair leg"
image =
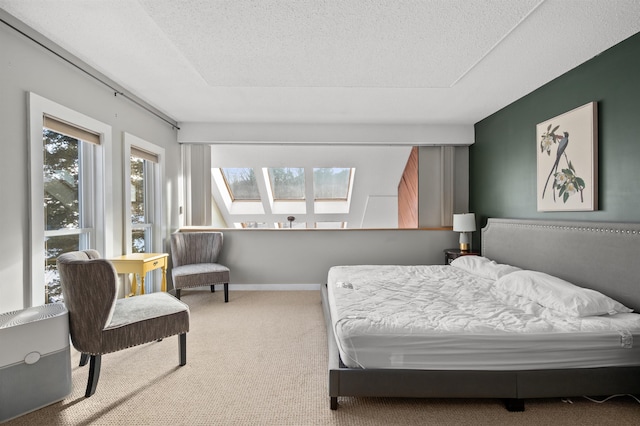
[
  {"x": 94, "y": 375},
  {"x": 213, "y": 288},
  {"x": 178, "y": 293},
  {"x": 83, "y": 359},
  {"x": 226, "y": 292},
  {"x": 182, "y": 344}
]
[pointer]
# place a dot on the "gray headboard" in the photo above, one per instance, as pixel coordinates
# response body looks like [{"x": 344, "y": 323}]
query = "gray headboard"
[{"x": 604, "y": 256}]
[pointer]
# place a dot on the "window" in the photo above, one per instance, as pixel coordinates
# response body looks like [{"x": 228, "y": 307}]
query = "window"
[
  {"x": 331, "y": 225},
  {"x": 264, "y": 197},
  {"x": 331, "y": 183},
  {"x": 67, "y": 151},
  {"x": 287, "y": 183},
  {"x": 68, "y": 217},
  {"x": 251, "y": 225},
  {"x": 241, "y": 183},
  {"x": 144, "y": 167},
  {"x": 141, "y": 202}
]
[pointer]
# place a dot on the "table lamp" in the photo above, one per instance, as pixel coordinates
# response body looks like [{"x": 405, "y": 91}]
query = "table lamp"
[{"x": 464, "y": 223}]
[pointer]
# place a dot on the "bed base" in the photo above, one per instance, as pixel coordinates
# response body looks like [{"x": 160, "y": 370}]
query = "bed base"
[
  {"x": 511, "y": 386},
  {"x": 517, "y": 386}
]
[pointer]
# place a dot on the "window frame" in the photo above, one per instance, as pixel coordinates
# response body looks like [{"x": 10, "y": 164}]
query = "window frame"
[{"x": 38, "y": 107}]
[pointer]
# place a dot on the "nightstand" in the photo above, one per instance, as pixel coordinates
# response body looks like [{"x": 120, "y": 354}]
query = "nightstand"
[{"x": 454, "y": 253}]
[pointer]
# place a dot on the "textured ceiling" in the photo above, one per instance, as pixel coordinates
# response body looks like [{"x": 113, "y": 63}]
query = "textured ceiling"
[
  {"x": 313, "y": 43},
  {"x": 343, "y": 61}
]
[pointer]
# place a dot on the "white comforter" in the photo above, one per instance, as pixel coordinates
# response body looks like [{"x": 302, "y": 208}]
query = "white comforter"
[{"x": 371, "y": 303}]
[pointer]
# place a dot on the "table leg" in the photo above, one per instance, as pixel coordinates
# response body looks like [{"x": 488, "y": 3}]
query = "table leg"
[
  {"x": 164, "y": 279},
  {"x": 134, "y": 285},
  {"x": 142, "y": 283}
]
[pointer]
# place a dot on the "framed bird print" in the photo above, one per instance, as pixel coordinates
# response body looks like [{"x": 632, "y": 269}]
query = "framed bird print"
[{"x": 567, "y": 153}]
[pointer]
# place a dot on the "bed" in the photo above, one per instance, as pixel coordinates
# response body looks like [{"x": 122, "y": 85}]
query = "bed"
[{"x": 598, "y": 256}]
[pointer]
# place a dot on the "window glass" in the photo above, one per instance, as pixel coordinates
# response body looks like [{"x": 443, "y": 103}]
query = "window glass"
[
  {"x": 331, "y": 225},
  {"x": 287, "y": 183},
  {"x": 141, "y": 205},
  {"x": 139, "y": 239},
  {"x": 253, "y": 225},
  {"x": 291, "y": 225},
  {"x": 66, "y": 217},
  {"x": 55, "y": 246},
  {"x": 137, "y": 191},
  {"x": 331, "y": 183},
  {"x": 241, "y": 183},
  {"x": 61, "y": 185}
]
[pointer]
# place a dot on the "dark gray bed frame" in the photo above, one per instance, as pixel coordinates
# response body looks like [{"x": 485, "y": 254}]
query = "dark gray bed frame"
[{"x": 598, "y": 255}]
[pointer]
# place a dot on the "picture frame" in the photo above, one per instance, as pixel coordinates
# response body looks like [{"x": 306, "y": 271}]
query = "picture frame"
[{"x": 567, "y": 161}]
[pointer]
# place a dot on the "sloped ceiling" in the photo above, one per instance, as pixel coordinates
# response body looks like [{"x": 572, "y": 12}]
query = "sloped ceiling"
[{"x": 331, "y": 61}]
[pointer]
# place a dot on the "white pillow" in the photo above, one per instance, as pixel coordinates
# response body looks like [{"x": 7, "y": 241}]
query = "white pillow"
[
  {"x": 559, "y": 295},
  {"x": 483, "y": 267}
]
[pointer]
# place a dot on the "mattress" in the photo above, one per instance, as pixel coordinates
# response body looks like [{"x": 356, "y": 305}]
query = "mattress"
[{"x": 445, "y": 318}]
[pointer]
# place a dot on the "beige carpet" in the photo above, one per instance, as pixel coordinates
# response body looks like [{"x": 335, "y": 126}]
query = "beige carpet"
[{"x": 261, "y": 360}]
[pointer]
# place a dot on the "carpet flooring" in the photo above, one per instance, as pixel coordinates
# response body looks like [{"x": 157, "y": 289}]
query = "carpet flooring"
[{"x": 261, "y": 359}]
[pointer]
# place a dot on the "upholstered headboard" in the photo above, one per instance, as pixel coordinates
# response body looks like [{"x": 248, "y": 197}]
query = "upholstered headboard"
[{"x": 604, "y": 256}]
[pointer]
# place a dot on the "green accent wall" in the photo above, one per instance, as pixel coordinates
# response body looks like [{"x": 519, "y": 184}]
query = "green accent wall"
[{"x": 502, "y": 161}]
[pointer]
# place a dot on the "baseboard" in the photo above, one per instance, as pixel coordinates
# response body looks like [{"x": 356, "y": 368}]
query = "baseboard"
[{"x": 273, "y": 287}]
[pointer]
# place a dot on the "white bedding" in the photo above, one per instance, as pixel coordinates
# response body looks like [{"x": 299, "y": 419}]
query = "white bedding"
[{"x": 443, "y": 317}]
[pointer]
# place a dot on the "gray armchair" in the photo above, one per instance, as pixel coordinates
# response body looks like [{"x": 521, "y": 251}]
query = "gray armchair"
[
  {"x": 100, "y": 323},
  {"x": 194, "y": 256}
]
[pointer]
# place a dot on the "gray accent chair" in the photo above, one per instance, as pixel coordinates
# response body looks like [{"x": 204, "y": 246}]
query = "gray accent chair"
[
  {"x": 100, "y": 323},
  {"x": 195, "y": 256}
]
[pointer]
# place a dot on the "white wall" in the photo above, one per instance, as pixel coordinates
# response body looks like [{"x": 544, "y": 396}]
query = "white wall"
[
  {"x": 26, "y": 67},
  {"x": 443, "y": 184},
  {"x": 299, "y": 256},
  {"x": 366, "y": 134}
]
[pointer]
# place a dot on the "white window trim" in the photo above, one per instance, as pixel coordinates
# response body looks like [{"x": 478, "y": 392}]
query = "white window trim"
[
  {"x": 158, "y": 228},
  {"x": 38, "y": 106}
]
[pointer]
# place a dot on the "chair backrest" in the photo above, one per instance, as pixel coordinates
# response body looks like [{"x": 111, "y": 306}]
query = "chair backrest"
[
  {"x": 188, "y": 248},
  {"x": 89, "y": 287}
]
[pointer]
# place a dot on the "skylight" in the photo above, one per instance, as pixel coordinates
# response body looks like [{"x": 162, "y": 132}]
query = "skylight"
[
  {"x": 241, "y": 183},
  {"x": 251, "y": 224},
  {"x": 331, "y": 183},
  {"x": 331, "y": 225},
  {"x": 264, "y": 197},
  {"x": 287, "y": 183}
]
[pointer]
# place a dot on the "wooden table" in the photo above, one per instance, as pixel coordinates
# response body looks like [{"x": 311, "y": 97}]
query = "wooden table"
[{"x": 141, "y": 263}]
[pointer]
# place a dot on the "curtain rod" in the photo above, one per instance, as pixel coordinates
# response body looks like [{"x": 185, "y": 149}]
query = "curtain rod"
[{"x": 116, "y": 92}]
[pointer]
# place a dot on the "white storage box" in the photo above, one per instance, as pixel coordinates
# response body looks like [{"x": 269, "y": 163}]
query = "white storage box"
[{"x": 35, "y": 359}]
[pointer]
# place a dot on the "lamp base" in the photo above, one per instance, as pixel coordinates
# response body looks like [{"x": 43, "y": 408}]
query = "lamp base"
[{"x": 464, "y": 247}]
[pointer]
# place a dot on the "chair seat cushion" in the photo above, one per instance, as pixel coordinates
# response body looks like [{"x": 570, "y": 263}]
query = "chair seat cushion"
[
  {"x": 199, "y": 274},
  {"x": 145, "y": 318},
  {"x": 144, "y": 307}
]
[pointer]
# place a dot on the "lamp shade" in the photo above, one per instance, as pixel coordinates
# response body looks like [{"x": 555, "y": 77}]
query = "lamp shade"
[{"x": 465, "y": 222}]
